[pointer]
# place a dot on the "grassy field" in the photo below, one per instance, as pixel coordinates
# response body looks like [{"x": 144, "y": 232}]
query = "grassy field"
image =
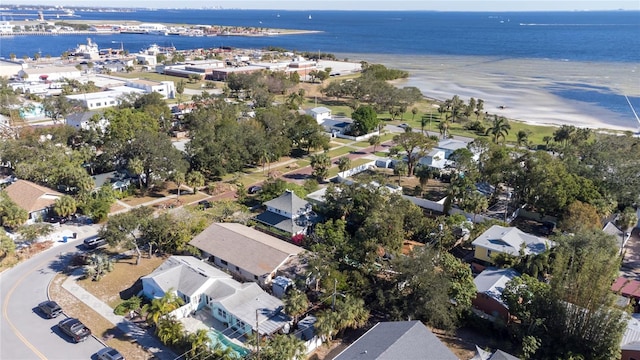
[{"x": 339, "y": 151}]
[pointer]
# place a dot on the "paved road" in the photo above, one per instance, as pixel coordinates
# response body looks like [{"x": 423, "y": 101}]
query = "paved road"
[{"x": 24, "y": 333}]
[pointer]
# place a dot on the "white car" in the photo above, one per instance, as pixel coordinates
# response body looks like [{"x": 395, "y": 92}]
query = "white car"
[{"x": 109, "y": 353}]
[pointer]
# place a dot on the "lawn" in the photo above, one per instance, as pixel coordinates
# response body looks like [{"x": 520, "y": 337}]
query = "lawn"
[
  {"x": 124, "y": 274},
  {"x": 339, "y": 151}
]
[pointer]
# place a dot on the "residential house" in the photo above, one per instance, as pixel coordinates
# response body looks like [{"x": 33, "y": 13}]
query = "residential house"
[
  {"x": 451, "y": 145},
  {"x": 165, "y": 88},
  {"x": 627, "y": 288},
  {"x": 508, "y": 240},
  {"x": 85, "y": 120},
  {"x": 435, "y": 159},
  {"x": 496, "y": 355},
  {"x": 244, "y": 251},
  {"x": 320, "y": 114},
  {"x": 621, "y": 237},
  {"x": 630, "y": 343},
  {"x": 407, "y": 340},
  {"x": 489, "y": 286},
  {"x": 242, "y": 308},
  {"x": 288, "y": 213},
  {"x": 35, "y": 199}
]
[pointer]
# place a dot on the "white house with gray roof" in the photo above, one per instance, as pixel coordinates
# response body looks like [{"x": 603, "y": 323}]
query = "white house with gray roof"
[
  {"x": 244, "y": 251},
  {"x": 508, "y": 240},
  {"x": 288, "y": 213},
  {"x": 320, "y": 113},
  {"x": 206, "y": 288}
]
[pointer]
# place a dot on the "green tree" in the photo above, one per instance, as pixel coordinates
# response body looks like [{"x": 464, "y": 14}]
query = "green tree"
[
  {"x": 7, "y": 246},
  {"x": 282, "y": 346},
  {"x": 170, "y": 331},
  {"x": 65, "y": 206},
  {"x": 365, "y": 120},
  {"x": 32, "y": 232},
  {"x": 415, "y": 146},
  {"x": 180, "y": 90},
  {"x": 320, "y": 163},
  {"x": 344, "y": 163},
  {"x": 296, "y": 303},
  {"x": 499, "y": 128},
  {"x": 400, "y": 168},
  {"x": 124, "y": 228},
  {"x": 161, "y": 307},
  {"x": 579, "y": 216},
  {"x": 195, "y": 180},
  {"x": 375, "y": 141},
  {"x": 475, "y": 203},
  {"x": 627, "y": 219},
  {"x": 99, "y": 265},
  {"x": 179, "y": 179}
]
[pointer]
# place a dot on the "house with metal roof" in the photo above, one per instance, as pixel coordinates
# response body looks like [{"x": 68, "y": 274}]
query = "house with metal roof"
[
  {"x": 620, "y": 236},
  {"x": 630, "y": 343},
  {"x": 489, "y": 285},
  {"x": 407, "y": 340},
  {"x": 245, "y": 252},
  {"x": 508, "y": 240},
  {"x": 288, "y": 213},
  {"x": 320, "y": 113},
  {"x": 242, "y": 307},
  {"x": 36, "y": 200}
]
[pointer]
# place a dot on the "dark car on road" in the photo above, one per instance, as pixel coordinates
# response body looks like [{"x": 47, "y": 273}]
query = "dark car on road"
[
  {"x": 50, "y": 308},
  {"x": 109, "y": 353},
  {"x": 255, "y": 189},
  {"x": 58, "y": 219},
  {"x": 205, "y": 204},
  {"x": 75, "y": 329}
]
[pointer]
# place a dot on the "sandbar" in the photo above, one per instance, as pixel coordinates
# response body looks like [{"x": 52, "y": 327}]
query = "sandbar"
[{"x": 536, "y": 91}]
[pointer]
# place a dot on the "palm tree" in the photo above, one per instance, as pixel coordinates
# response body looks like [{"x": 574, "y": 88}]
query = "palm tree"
[
  {"x": 326, "y": 324},
  {"x": 564, "y": 134},
  {"x": 522, "y": 138},
  {"x": 170, "y": 331},
  {"x": 163, "y": 306},
  {"x": 352, "y": 313},
  {"x": 475, "y": 203},
  {"x": 414, "y": 112},
  {"x": 499, "y": 128},
  {"x": 65, "y": 206},
  {"x": 423, "y": 173},
  {"x": 400, "y": 168},
  {"x": 375, "y": 141},
  {"x": 99, "y": 265},
  {"x": 283, "y": 346},
  {"x": 194, "y": 180},
  {"x": 444, "y": 128},
  {"x": 344, "y": 163},
  {"x": 199, "y": 344},
  {"x": 136, "y": 167},
  {"x": 320, "y": 164},
  {"x": 296, "y": 304},
  {"x": 178, "y": 178},
  {"x": 424, "y": 120}
]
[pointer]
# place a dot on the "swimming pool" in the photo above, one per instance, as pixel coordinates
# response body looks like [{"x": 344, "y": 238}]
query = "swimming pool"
[{"x": 218, "y": 339}]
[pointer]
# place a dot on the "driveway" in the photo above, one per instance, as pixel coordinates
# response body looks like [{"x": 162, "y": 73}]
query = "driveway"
[{"x": 631, "y": 261}]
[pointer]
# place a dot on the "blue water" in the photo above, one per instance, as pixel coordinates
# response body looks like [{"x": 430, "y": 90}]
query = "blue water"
[{"x": 605, "y": 36}]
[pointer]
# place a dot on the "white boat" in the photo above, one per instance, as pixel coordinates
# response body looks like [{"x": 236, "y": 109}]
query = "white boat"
[
  {"x": 88, "y": 50},
  {"x": 309, "y": 17}
]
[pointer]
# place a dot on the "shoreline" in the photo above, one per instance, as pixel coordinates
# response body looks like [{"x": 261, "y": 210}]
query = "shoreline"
[{"x": 533, "y": 91}]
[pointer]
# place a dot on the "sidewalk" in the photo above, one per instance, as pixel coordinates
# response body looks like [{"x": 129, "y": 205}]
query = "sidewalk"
[{"x": 141, "y": 336}]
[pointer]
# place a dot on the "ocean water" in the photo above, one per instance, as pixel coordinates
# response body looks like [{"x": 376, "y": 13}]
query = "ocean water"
[{"x": 582, "y": 61}]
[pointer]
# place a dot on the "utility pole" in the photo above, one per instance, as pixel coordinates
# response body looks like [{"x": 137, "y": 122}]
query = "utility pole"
[
  {"x": 257, "y": 337},
  {"x": 333, "y": 301}
]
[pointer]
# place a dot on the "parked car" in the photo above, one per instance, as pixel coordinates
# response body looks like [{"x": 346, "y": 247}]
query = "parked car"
[
  {"x": 205, "y": 204},
  {"x": 254, "y": 189},
  {"x": 57, "y": 219},
  {"x": 50, "y": 308},
  {"x": 94, "y": 242},
  {"x": 75, "y": 329},
  {"x": 109, "y": 353},
  {"x": 403, "y": 125}
]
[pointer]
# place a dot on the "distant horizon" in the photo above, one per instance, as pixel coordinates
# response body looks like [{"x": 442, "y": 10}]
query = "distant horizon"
[{"x": 359, "y": 5}]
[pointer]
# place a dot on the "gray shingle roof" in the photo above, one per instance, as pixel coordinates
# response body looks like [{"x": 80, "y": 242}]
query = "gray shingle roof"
[
  {"x": 245, "y": 247},
  {"x": 289, "y": 203},
  {"x": 243, "y": 300},
  {"x": 406, "y": 340},
  {"x": 279, "y": 222},
  {"x": 184, "y": 274},
  {"x": 501, "y": 355},
  {"x": 510, "y": 239}
]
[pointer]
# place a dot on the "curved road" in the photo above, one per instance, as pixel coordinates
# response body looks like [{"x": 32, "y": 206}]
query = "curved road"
[{"x": 24, "y": 333}]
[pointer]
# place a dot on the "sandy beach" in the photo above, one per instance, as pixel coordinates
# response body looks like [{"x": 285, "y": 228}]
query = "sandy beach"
[{"x": 536, "y": 91}]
